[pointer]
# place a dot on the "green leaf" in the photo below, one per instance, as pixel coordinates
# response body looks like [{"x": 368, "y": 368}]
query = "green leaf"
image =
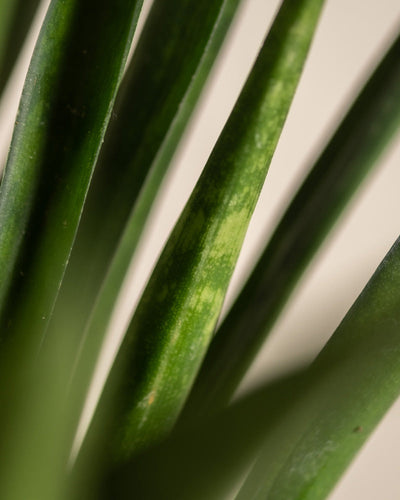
[
  {"x": 66, "y": 103},
  {"x": 175, "y": 53},
  {"x": 172, "y": 326},
  {"x": 15, "y": 20},
  {"x": 349, "y": 387},
  {"x": 168, "y": 70},
  {"x": 363, "y": 134}
]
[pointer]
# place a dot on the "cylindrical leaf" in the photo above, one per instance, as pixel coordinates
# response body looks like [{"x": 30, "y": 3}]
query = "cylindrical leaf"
[
  {"x": 363, "y": 134},
  {"x": 66, "y": 103},
  {"x": 168, "y": 70},
  {"x": 176, "y": 316}
]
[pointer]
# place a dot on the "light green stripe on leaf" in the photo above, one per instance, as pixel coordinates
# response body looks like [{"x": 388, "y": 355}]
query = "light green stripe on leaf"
[
  {"x": 368, "y": 127},
  {"x": 176, "y": 316}
]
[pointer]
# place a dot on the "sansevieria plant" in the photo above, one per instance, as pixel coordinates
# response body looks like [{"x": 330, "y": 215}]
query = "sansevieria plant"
[{"x": 102, "y": 113}]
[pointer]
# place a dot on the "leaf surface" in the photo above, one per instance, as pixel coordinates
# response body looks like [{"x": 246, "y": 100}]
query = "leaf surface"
[
  {"x": 354, "y": 149},
  {"x": 65, "y": 106},
  {"x": 176, "y": 316}
]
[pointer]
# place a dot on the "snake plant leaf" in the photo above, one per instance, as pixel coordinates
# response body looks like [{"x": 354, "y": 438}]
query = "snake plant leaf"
[
  {"x": 15, "y": 19},
  {"x": 175, "y": 53},
  {"x": 181, "y": 39},
  {"x": 177, "y": 313},
  {"x": 350, "y": 386},
  {"x": 353, "y": 150},
  {"x": 65, "y": 107}
]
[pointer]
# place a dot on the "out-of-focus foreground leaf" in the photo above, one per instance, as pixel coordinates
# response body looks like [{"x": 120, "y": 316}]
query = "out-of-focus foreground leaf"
[
  {"x": 34, "y": 441},
  {"x": 206, "y": 459},
  {"x": 363, "y": 134}
]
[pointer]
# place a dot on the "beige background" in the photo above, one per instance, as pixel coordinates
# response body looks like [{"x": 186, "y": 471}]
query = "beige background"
[{"x": 350, "y": 35}]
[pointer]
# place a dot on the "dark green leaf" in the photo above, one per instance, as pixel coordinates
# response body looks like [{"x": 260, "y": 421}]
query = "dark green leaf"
[
  {"x": 206, "y": 459},
  {"x": 349, "y": 387},
  {"x": 66, "y": 103}
]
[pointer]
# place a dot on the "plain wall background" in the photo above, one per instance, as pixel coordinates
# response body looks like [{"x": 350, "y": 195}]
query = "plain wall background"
[{"x": 350, "y": 36}]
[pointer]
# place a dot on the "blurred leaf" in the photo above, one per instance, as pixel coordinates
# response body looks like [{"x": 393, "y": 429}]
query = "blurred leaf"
[
  {"x": 15, "y": 20},
  {"x": 349, "y": 387},
  {"x": 363, "y": 134},
  {"x": 34, "y": 442},
  {"x": 205, "y": 459},
  {"x": 59, "y": 129}
]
